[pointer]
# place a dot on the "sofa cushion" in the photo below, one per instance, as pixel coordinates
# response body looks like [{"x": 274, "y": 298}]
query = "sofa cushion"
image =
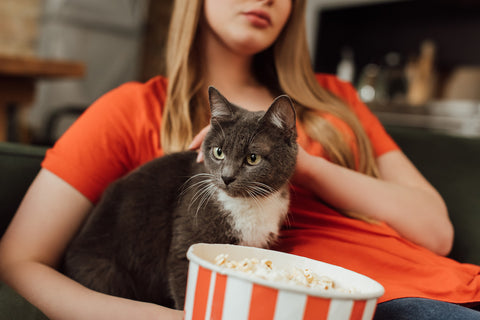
[
  {"x": 13, "y": 306},
  {"x": 19, "y": 165}
]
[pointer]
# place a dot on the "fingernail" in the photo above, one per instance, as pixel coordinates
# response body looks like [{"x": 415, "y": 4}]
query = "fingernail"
[{"x": 200, "y": 156}]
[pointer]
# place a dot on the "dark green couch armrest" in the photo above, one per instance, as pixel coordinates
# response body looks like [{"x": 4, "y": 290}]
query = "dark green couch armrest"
[
  {"x": 15, "y": 307},
  {"x": 452, "y": 165},
  {"x": 19, "y": 164}
]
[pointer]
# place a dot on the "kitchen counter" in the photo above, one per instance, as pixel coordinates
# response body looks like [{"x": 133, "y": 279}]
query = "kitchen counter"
[{"x": 456, "y": 117}]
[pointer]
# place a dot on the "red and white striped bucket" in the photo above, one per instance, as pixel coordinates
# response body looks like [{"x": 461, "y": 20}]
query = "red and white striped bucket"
[{"x": 215, "y": 292}]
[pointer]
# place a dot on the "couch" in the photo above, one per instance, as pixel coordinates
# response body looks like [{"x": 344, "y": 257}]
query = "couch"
[
  {"x": 18, "y": 166},
  {"x": 450, "y": 163}
]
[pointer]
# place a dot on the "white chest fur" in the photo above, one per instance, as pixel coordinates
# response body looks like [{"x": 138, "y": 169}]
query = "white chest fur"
[{"x": 256, "y": 219}]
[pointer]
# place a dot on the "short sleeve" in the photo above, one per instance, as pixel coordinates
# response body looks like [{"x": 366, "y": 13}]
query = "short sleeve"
[{"x": 114, "y": 135}]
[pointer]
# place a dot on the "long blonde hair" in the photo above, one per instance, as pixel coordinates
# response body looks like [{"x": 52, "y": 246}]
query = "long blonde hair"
[{"x": 285, "y": 67}]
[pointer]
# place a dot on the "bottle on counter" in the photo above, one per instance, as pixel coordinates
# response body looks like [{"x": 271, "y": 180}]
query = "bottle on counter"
[
  {"x": 346, "y": 66},
  {"x": 421, "y": 76}
]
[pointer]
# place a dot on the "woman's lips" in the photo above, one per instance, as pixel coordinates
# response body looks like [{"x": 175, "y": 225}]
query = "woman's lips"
[{"x": 258, "y": 18}]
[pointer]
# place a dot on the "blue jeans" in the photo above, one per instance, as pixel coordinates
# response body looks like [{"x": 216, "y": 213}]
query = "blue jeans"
[{"x": 423, "y": 309}]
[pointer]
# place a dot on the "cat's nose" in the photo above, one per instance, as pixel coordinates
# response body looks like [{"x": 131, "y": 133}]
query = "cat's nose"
[{"x": 228, "y": 179}]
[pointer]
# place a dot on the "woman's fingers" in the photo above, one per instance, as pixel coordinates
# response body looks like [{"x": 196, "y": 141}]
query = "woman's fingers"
[
  {"x": 198, "y": 139},
  {"x": 197, "y": 142}
]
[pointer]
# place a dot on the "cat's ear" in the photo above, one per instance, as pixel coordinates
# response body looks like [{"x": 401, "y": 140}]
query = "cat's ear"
[
  {"x": 219, "y": 105},
  {"x": 281, "y": 113}
]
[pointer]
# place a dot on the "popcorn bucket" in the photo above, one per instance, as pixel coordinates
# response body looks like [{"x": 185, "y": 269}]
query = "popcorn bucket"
[{"x": 215, "y": 292}]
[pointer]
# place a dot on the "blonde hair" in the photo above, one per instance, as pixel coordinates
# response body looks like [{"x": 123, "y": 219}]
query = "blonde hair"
[{"x": 285, "y": 67}]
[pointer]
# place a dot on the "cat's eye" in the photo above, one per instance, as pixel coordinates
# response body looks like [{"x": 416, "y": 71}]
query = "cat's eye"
[
  {"x": 254, "y": 159},
  {"x": 218, "y": 153}
]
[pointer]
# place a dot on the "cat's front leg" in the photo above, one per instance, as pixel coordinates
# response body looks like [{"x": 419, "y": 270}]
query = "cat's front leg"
[{"x": 177, "y": 278}]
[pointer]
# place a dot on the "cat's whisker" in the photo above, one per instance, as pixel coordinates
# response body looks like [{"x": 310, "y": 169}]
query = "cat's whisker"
[
  {"x": 204, "y": 187},
  {"x": 255, "y": 198},
  {"x": 195, "y": 185},
  {"x": 200, "y": 194},
  {"x": 206, "y": 179},
  {"x": 266, "y": 186},
  {"x": 188, "y": 184},
  {"x": 207, "y": 192},
  {"x": 211, "y": 192},
  {"x": 287, "y": 221},
  {"x": 262, "y": 189},
  {"x": 258, "y": 192},
  {"x": 254, "y": 193},
  {"x": 199, "y": 200},
  {"x": 290, "y": 186}
]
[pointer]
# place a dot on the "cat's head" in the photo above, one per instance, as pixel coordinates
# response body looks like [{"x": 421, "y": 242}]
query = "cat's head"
[{"x": 250, "y": 153}]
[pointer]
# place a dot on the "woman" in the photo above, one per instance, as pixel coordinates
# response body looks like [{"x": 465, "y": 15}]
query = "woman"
[{"x": 251, "y": 50}]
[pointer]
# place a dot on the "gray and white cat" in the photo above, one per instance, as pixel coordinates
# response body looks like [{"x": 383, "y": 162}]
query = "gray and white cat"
[{"x": 134, "y": 243}]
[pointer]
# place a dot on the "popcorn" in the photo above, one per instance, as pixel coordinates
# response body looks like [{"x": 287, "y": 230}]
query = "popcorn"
[
  {"x": 265, "y": 269},
  {"x": 221, "y": 259}
]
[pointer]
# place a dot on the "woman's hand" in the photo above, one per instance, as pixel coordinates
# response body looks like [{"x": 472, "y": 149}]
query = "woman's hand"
[
  {"x": 301, "y": 167},
  {"x": 401, "y": 197},
  {"x": 198, "y": 141}
]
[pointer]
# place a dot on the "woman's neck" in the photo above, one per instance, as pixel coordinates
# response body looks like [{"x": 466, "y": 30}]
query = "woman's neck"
[
  {"x": 224, "y": 68},
  {"x": 231, "y": 73}
]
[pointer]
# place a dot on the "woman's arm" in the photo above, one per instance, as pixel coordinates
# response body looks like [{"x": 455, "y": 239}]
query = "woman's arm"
[
  {"x": 402, "y": 197},
  {"x": 47, "y": 219}
]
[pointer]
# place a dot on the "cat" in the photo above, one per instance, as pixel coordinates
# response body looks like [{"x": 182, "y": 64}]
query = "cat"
[{"x": 134, "y": 243}]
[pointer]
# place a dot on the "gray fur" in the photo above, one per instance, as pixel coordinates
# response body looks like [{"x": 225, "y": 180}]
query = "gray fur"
[{"x": 133, "y": 245}]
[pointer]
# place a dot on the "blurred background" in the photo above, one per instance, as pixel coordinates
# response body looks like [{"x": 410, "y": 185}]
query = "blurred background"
[
  {"x": 416, "y": 63},
  {"x": 73, "y": 51}
]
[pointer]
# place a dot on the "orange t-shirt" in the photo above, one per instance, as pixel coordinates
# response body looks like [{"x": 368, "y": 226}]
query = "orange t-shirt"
[{"x": 121, "y": 131}]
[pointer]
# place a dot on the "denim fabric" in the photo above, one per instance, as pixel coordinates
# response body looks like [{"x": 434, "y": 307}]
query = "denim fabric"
[{"x": 423, "y": 309}]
